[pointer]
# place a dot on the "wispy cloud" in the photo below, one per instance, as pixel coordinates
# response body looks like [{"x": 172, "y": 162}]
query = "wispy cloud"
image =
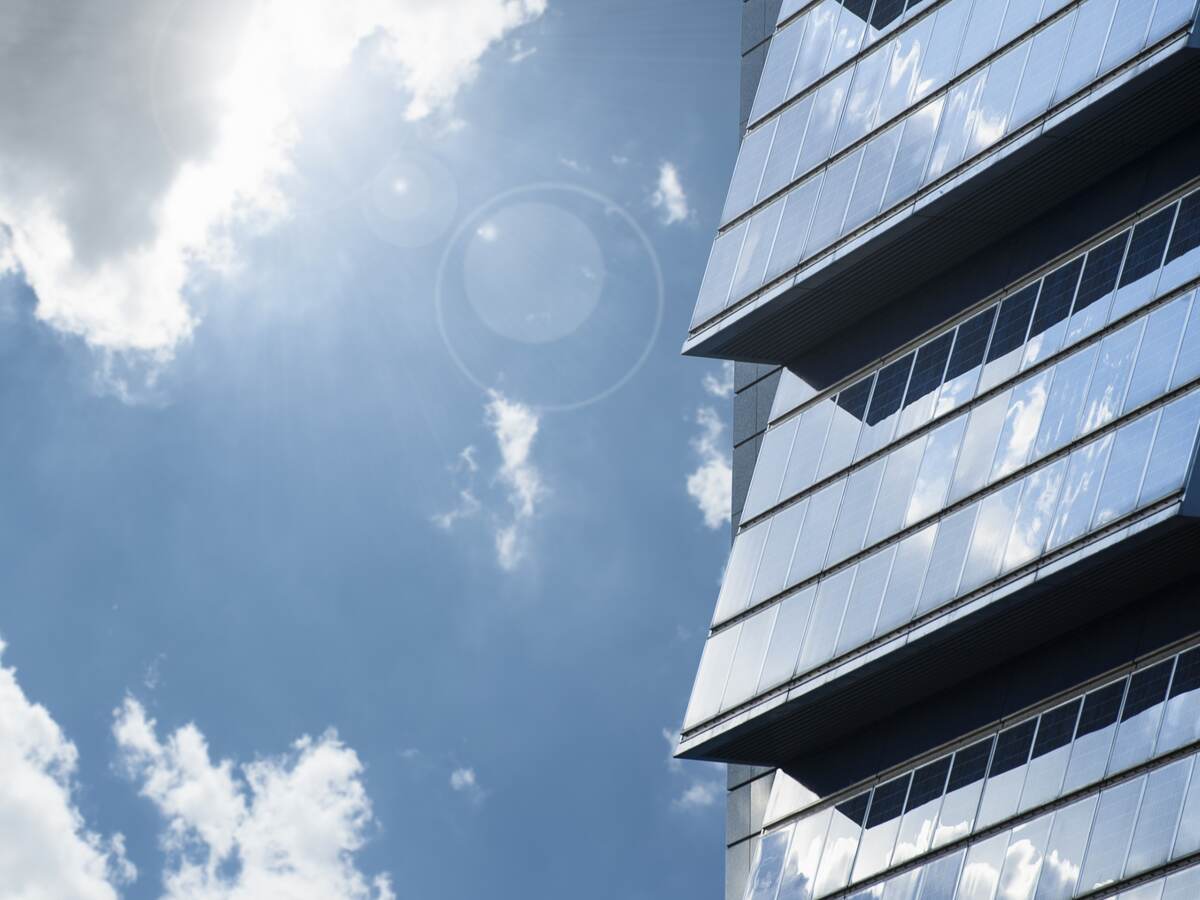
[
  {"x": 520, "y": 52},
  {"x": 710, "y": 484},
  {"x": 520, "y": 483},
  {"x": 669, "y": 198},
  {"x": 126, "y": 171},
  {"x": 46, "y": 849},
  {"x": 464, "y": 781},
  {"x": 281, "y": 826},
  {"x": 703, "y": 783},
  {"x": 722, "y": 386}
]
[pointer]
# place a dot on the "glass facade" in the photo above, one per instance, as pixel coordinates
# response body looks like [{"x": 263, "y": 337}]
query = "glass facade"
[{"x": 954, "y": 653}]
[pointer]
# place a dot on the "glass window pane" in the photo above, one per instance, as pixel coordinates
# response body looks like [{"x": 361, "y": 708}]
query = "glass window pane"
[
  {"x": 847, "y": 37},
  {"x": 781, "y": 162},
  {"x": 1082, "y": 58},
  {"x": 1181, "y": 885},
  {"x": 962, "y": 373},
  {"x": 803, "y": 857},
  {"x": 1064, "y": 850},
  {"x": 786, "y": 638},
  {"x": 928, "y": 372},
  {"x": 793, "y": 227},
  {"x": 711, "y": 676},
  {"x": 1006, "y": 776},
  {"x": 1041, "y": 71},
  {"x": 872, "y": 178},
  {"x": 1169, "y": 15},
  {"x": 980, "y": 39},
  {"x": 1183, "y": 253},
  {"x": 1141, "y": 716},
  {"x": 1174, "y": 446},
  {"x": 1181, "y": 722},
  {"x": 849, "y": 411},
  {"x": 1110, "y": 377},
  {"x": 792, "y": 390},
  {"x": 938, "y": 64},
  {"x": 979, "y": 446},
  {"x": 981, "y": 872},
  {"x": 739, "y": 571},
  {"x": 1127, "y": 34},
  {"x": 764, "y": 876},
  {"x": 841, "y": 844},
  {"x": 920, "y": 127},
  {"x": 941, "y": 877},
  {"x": 832, "y": 595},
  {"x": 777, "y": 552},
  {"x": 1051, "y": 752},
  {"x": 1126, "y": 463},
  {"x": 885, "y": 13},
  {"x": 827, "y": 110},
  {"x": 1064, "y": 406},
  {"x": 946, "y": 559},
  {"x": 862, "y": 104},
  {"x": 769, "y": 468},
  {"x": 865, "y": 598},
  {"x": 752, "y": 264},
  {"x": 806, "y": 452},
  {"x": 1094, "y": 296},
  {"x": 885, "y": 406},
  {"x": 904, "y": 584},
  {"x": 1008, "y": 337},
  {"x": 1078, "y": 500},
  {"x": 1143, "y": 262},
  {"x": 903, "y": 886},
  {"x": 957, "y": 816},
  {"x": 958, "y": 123},
  {"x": 899, "y": 477},
  {"x": 1151, "y": 890},
  {"x": 1020, "y": 17},
  {"x": 921, "y": 809},
  {"x": 748, "y": 170},
  {"x": 991, "y": 119},
  {"x": 988, "y": 544},
  {"x": 855, "y": 512},
  {"x": 1050, "y": 316},
  {"x": 714, "y": 290},
  {"x": 1111, "y": 832},
  {"x": 748, "y": 658},
  {"x": 941, "y": 451},
  {"x": 1023, "y": 860},
  {"x": 777, "y": 71},
  {"x": 1156, "y": 355},
  {"x": 883, "y": 822},
  {"x": 1187, "y": 367},
  {"x": 901, "y": 82},
  {"x": 1034, "y": 515},
  {"x": 1022, "y": 420},
  {"x": 1161, "y": 805},
  {"x": 1093, "y": 739},
  {"x": 831, "y": 206},
  {"x": 788, "y": 796},
  {"x": 1187, "y": 835},
  {"x": 814, "y": 535}
]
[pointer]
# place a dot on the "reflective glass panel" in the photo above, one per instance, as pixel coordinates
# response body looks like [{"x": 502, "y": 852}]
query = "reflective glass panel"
[
  {"x": 1050, "y": 315},
  {"x": 831, "y": 205},
  {"x": 1174, "y": 446},
  {"x": 739, "y": 571},
  {"x": 1187, "y": 834},
  {"x": 814, "y": 50},
  {"x": 966, "y": 359},
  {"x": 711, "y": 676},
  {"x": 921, "y": 810},
  {"x": 1111, "y": 831},
  {"x": 885, "y": 406},
  {"x": 861, "y": 488},
  {"x": 937, "y": 66},
  {"x": 804, "y": 855},
  {"x": 996, "y": 513},
  {"x": 777, "y": 71},
  {"x": 1141, "y": 716},
  {"x": 798, "y": 207},
  {"x": 1111, "y": 375},
  {"x": 777, "y": 552},
  {"x": 748, "y": 170},
  {"x": 814, "y": 535},
  {"x": 957, "y": 816},
  {"x": 845, "y": 828},
  {"x": 1161, "y": 805},
  {"x": 1041, "y": 71},
  {"x": 991, "y": 118},
  {"x": 1023, "y": 859},
  {"x": 912, "y": 156},
  {"x": 769, "y": 468},
  {"x": 982, "y": 32},
  {"x": 1181, "y": 721},
  {"x": 848, "y": 35},
  {"x": 1182, "y": 263},
  {"x": 865, "y": 598},
  {"x": 1078, "y": 498},
  {"x": 1064, "y": 850},
  {"x": 870, "y": 72},
  {"x": 946, "y": 559},
  {"x": 850, "y": 410},
  {"x": 806, "y": 450},
  {"x": 867, "y": 198},
  {"x": 1082, "y": 58},
  {"x": 1008, "y": 337},
  {"x": 748, "y": 658},
  {"x": 958, "y": 122},
  {"x": 1034, "y": 515},
  {"x": 981, "y": 871},
  {"x": 979, "y": 446},
  {"x": 1187, "y": 366},
  {"x": 1093, "y": 738},
  {"x": 1094, "y": 296},
  {"x": 752, "y": 264},
  {"x": 1156, "y": 356},
  {"x": 832, "y": 595},
  {"x": 781, "y": 162},
  {"x": 904, "y": 585},
  {"x": 1169, "y": 15},
  {"x": 898, "y": 90},
  {"x": 925, "y": 382},
  {"x": 1123, "y": 477},
  {"x": 941, "y": 877},
  {"x": 714, "y": 290},
  {"x": 1064, "y": 406},
  {"x": 1051, "y": 751},
  {"x": 1181, "y": 885},
  {"x": 1139, "y": 275},
  {"x": 786, "y": 638},
  {"x": 1127, "y": 33},
  {"x": 933, "y": 479},
  {"x": 764, "y": 876},
  {"x": 827, "y": 109},
  {"x": 1006, "y": 776},
  {"x": 883, "y": 823},
  {"x": 1022, "y": 420},
  {"x": 900, "y": 474}
]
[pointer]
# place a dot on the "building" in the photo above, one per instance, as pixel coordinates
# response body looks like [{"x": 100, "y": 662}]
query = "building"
[{"x": 956, "y": 652}]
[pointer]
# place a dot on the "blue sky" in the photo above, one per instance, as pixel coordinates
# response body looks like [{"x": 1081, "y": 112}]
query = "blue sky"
[{"x": 268, "y": 476}]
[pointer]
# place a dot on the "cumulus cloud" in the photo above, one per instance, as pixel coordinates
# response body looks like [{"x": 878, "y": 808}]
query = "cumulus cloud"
[
  {"x": 514, "y": 427},
  {"x": 464, "y": 781},
  {"x": 669, "y": 197},
  {"x": 710, "y": 484},
  {"x": 281, "y": 826},
  {"x": 46, "y": 849},
  {"x": 721, "y": 386},
  {"x": 138, "y": 142},
  {"x": 703, "y": 784}
]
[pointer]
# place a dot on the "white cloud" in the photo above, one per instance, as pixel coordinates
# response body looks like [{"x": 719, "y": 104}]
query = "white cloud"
[
  {"x": 46, "y": 849},
  {"x": 705, "y": 782},
  {"x": 669, "y": 197},
  {"x": 514, "y": 427},
  {"x": 281, "y": 826},
  {"x": 135, "y": 146},
  {"x": 465, "y": 782},
  {"x": 710, "y": 485},
  {"x": 722, "y": 387}
]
